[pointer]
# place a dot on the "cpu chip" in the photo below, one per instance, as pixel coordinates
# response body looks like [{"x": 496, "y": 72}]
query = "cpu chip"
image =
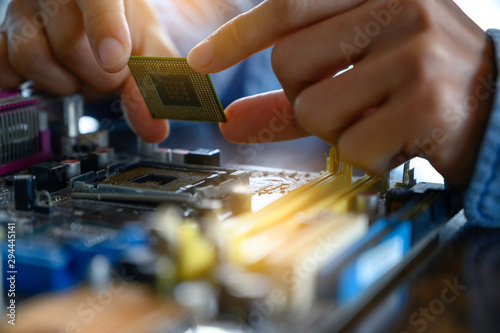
[{"x": 173, "y": 90}]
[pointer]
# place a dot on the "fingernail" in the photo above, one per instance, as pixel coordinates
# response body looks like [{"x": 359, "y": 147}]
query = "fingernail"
[
  {"x": 111, "y": 53},
  {"x": 201, "y": 55}
]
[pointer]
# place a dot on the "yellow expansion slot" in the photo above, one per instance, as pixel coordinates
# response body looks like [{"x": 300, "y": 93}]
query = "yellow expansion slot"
[
  {"x": 253, "y": 247},
  {"x": 341, "y": 201},
  {"x": 293, "y": 253},
  {"x": 255, "y": 236},
  {"x": 294, "y": 201}
]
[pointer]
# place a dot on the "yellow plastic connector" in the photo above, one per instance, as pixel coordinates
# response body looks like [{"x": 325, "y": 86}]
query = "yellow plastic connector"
[{"x": 196, "y": 255}]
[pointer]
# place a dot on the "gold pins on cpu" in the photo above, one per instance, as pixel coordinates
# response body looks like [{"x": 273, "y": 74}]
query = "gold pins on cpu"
[{"x": 173, "y": 90}]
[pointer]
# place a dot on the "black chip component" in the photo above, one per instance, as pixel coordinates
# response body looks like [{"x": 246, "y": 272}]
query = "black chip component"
[
  {"x": 173, "y": 90},
  {"x": 50, "y": 176},
  {"x": 24, "y": 191},
  {"x": 203, "y": 156},
  {"x": 88, "y": 162}
]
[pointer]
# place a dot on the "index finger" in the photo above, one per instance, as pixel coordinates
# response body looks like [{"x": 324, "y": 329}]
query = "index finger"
[
  {"x": 108, "y": 32},
  {"x": 260, "y": 28}
]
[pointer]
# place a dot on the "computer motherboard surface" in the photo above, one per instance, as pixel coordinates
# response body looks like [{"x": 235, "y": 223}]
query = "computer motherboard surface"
[{"x": 168, "y": 240}]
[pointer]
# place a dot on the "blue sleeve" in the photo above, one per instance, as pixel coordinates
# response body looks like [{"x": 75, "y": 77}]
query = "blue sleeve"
[
  {"x": 482, "y": 199},
  {"x": 252, "y": 76}
]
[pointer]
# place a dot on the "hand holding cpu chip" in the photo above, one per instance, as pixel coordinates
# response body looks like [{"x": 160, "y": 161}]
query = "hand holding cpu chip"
[
  {"x": 421, "y": 83},
  {"x": 66, "y": 46},
  {"x": 173, "y": 90}
]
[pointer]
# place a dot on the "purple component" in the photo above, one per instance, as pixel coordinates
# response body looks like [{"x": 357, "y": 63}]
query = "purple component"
[
  {"x": 9, "y": 93},
  {"x": 44, "y": 155},
  {"x": 16, "y": 103}
]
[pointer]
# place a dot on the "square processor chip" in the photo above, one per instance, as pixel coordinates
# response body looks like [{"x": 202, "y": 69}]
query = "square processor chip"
[{"x": 173, "y": 90}]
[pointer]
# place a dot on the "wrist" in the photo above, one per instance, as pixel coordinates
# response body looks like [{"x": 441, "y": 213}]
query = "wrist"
[{"x": 459, "y": 155}]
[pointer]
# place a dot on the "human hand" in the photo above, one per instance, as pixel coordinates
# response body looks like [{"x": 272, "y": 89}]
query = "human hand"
[
  {"x": 422, "y": 81},
  {"x": 64, "y": 46}
]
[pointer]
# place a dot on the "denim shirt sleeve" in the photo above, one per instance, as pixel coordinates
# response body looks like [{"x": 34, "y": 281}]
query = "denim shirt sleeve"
[{"x": 482, "y": 199}]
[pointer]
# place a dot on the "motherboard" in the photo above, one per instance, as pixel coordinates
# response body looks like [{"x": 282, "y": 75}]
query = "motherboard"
[{"x": 169, "y": 240}]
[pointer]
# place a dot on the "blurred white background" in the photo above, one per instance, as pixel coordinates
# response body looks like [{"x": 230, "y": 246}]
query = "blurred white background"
[{"x": 486, "y": 13}]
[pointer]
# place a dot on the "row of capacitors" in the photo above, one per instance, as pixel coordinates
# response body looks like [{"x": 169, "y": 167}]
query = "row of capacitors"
[
  {"x": 32, "y": 191},
  {"x": 199, "y": 156}
]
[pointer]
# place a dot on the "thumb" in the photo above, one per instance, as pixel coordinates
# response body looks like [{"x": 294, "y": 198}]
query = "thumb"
[
  {"x": 262, "y": 118},
  {"x": 108, "y": 32},
  {"x": 138, "y": 116},
  {"x": 158, "y": 43}
]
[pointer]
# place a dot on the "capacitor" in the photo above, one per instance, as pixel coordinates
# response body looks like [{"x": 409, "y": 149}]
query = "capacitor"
[
  {"x": 111, "y": 151},
  {"x": 73, "y": 168},
  {"x": 145, "y": 149},
  {"x": 162, "y": 155},
  {"x": 72, "y": 112},
  {"x": 103, "y": 157},
  {"x": 240, "y": 200},
  {"x": 24, "y": 191},
  {"x": 368, "y": 202},
  {"x": 208, "y": 212},
  {"x": 98, "y": 139},
  {"x": 179, "y": 156}
]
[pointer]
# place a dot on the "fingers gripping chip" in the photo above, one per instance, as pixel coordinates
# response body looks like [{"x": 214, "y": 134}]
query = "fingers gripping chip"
[{"x": 173, "y": 90}]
